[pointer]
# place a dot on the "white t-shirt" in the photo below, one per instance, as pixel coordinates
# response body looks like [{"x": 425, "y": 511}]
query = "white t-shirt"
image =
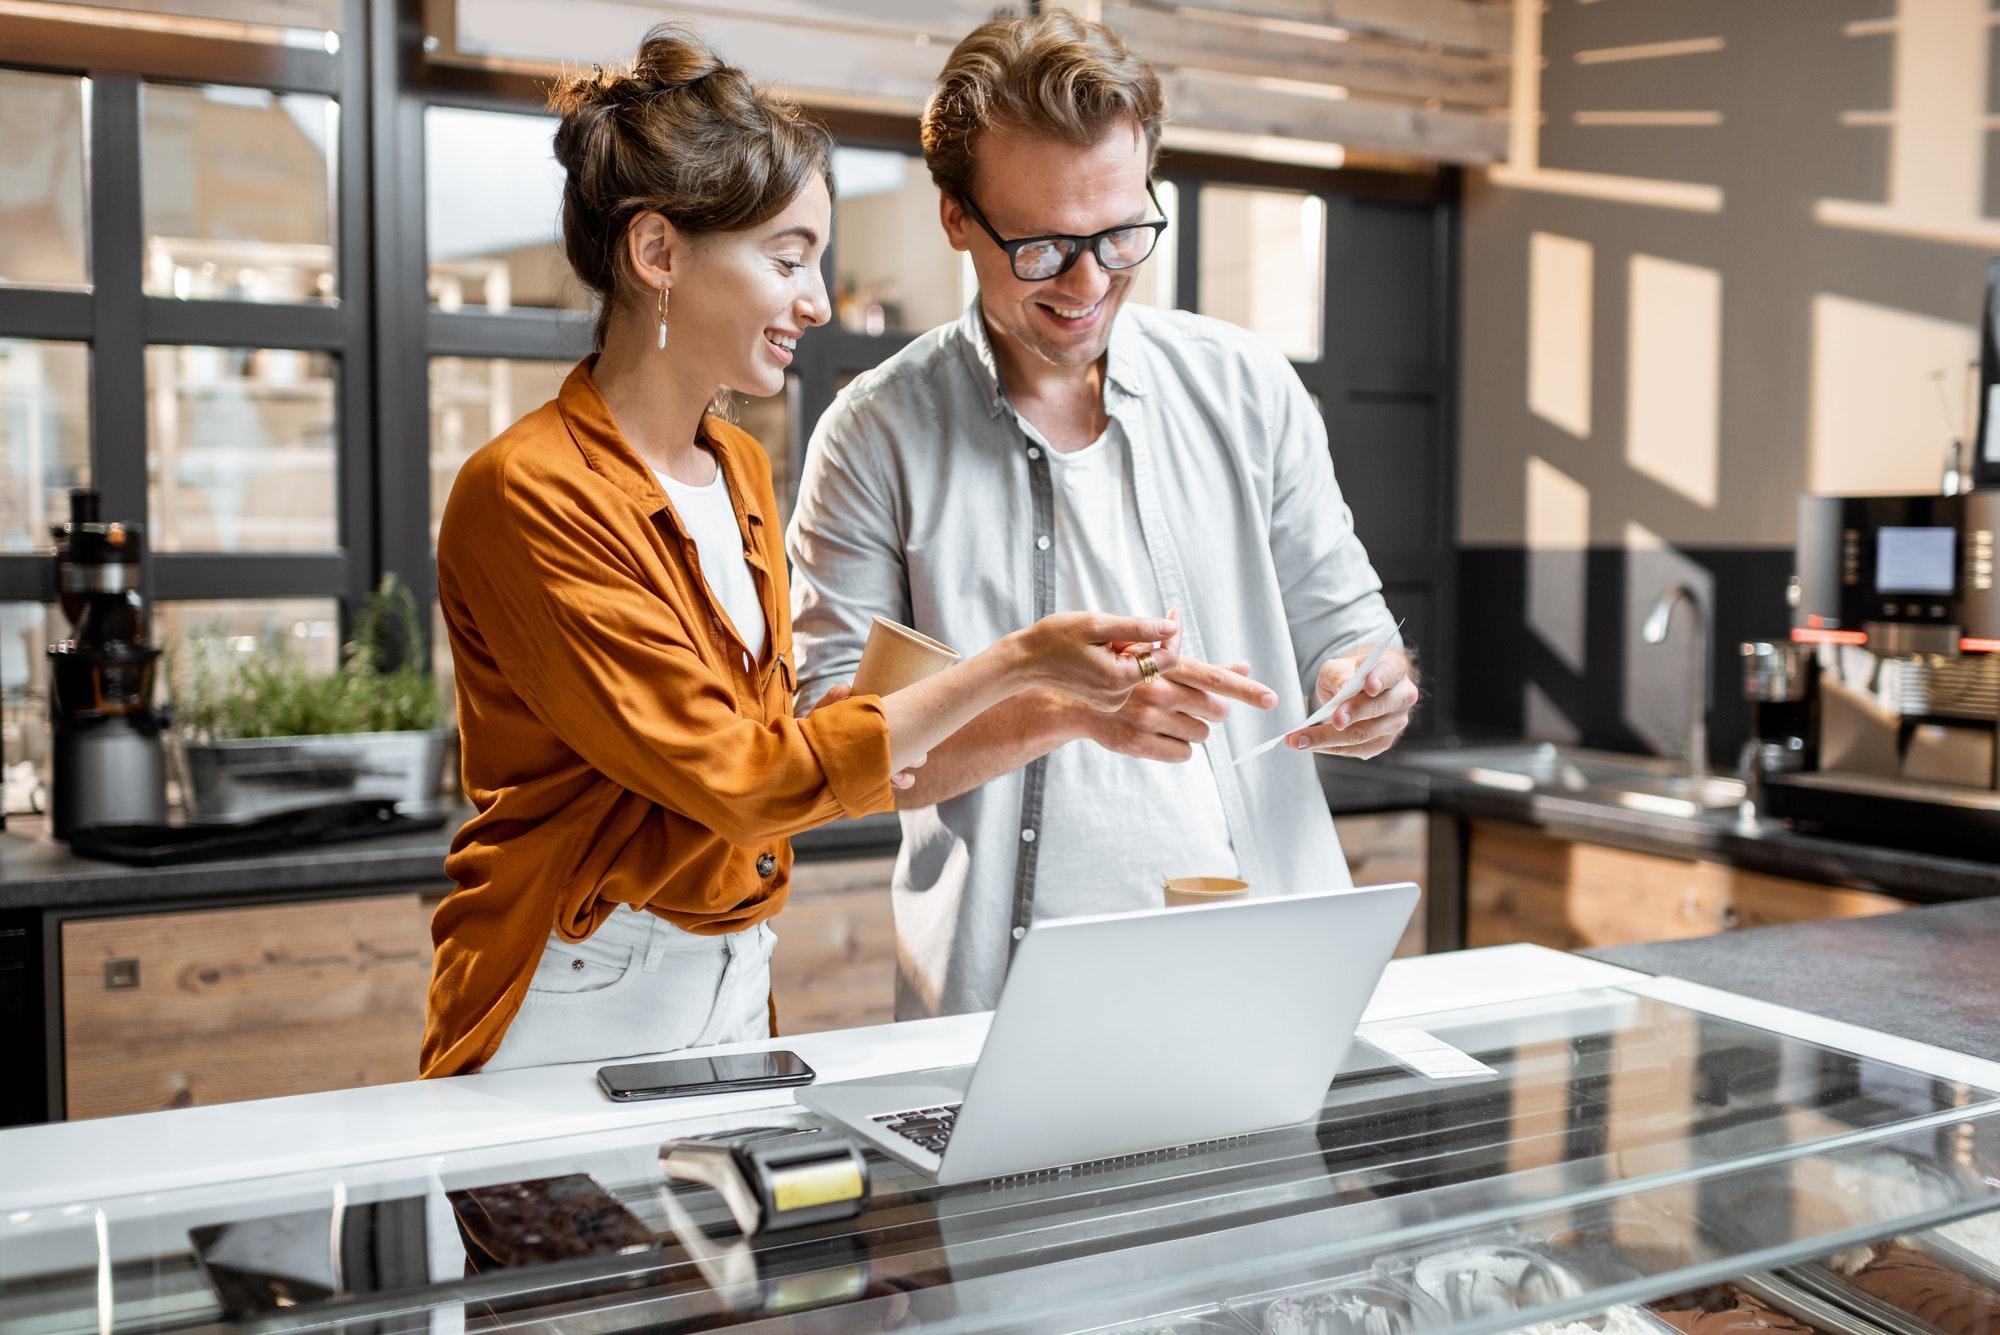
[
  {"x": 1114, "y": 825},
  {"x": 710, "y": 516}
]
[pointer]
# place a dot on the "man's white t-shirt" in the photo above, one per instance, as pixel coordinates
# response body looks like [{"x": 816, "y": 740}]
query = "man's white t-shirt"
[
  {"x": 710, "y": 516},
  {"x": 1113, "y": 825}
]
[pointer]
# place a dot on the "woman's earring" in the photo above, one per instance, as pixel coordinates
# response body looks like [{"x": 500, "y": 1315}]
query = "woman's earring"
[{"x": 663, "y": 315}]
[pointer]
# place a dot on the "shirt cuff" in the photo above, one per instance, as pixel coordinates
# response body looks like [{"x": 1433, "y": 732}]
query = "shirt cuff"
[{"x": 851, "y": 739}]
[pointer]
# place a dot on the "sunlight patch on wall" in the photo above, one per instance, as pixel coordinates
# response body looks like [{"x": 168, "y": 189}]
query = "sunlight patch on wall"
[
  {"x": 1559, "y": 318},
  {"x": 1875, "y": 424},
  {"x": 1673, "y": 398}
]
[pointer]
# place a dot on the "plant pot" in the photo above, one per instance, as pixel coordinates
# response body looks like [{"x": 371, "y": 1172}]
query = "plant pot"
[{"x": 239, "y": 779}]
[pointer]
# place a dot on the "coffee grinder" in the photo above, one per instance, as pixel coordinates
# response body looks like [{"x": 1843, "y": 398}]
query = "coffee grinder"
[{"x": 108, "y": 762}]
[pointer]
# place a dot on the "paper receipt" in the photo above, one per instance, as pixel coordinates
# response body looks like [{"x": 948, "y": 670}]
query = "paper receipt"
[{"x": 1348, "y": 690}]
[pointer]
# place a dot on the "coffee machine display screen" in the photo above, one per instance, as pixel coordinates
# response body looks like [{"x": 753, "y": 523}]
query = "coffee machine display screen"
[{"x": 1916, "y": 560}]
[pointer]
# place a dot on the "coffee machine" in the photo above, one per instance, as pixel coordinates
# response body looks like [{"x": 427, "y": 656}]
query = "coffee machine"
[
  {"x": 108, "y": 764},
  {"x": 1895, "y": 599}
]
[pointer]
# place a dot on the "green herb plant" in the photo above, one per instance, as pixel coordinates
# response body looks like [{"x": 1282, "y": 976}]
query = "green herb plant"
[{"x": 223, "y": 695}]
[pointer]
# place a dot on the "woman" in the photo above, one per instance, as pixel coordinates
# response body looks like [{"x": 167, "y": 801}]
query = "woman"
[{"x": 611, "y": 576}]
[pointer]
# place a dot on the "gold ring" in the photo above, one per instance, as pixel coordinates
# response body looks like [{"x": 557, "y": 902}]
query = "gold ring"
[{"x": 1149, "y": 671}]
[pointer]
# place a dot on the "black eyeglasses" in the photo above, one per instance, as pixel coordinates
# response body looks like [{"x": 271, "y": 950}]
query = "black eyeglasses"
[{"x": 1037, "y": 258}]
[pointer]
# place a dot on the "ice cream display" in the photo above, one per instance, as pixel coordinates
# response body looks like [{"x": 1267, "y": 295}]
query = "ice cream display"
[
  {"x": 1727, "y": 1309},
  {"x": 1616, "y": 1321},
  {"x": 1979, "y": 1235},
  {"x": 1487, "y": 1281},
  {"x": 1338, "y": 1311},
  {"x": 1934, "y": 1293}
]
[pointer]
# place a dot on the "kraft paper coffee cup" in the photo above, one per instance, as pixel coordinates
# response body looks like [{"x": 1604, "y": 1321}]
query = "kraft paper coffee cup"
[
  {"x": 896, "y": 656},
  {"x": 1182, "y": 891}
]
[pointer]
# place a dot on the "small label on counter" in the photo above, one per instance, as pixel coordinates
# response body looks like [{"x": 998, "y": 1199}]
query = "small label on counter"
[{"x": 1426, "y": 1054}]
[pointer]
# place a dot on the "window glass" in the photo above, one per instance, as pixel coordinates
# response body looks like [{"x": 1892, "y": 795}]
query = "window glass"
[
  {"x": 474, "y": 399},
  {"x": 770, "y": 421},
  {"x": 1263, "y": 264},
  {"x": 42, "y": 233},
  {"x": 493, "y": 213},
  {"x": 215, "y": 637},
  {"x": 240, "y": 453},
  {"x": 893, "y": 268},
  {"x": 312, "y": 25},
  {"x": 238, "y": 193},
  {"x": 1153, "y": 281},
  {"x": 44, "y": 437},
  {"x": 26, "y": 632}
]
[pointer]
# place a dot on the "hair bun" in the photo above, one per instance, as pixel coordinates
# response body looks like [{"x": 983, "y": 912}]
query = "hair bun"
[{"x": 668, "y": 61}]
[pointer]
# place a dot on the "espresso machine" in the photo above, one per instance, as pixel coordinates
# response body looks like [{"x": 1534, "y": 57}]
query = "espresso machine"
[
  {"x": 108, "y": 763},
  {"x": 1892, "y": 675}
]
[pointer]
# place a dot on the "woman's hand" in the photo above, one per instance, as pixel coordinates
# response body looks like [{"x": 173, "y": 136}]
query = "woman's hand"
[
  {"x": 902, "y": 778},
  {"x": 1097, "y": 658}
]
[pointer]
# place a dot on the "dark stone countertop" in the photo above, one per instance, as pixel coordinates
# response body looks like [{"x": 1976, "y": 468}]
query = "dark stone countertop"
[
  {"x": 1925, "y": 974},
  {"x": 36, "y": 872},
  {"x": 1755, "y": 844}
]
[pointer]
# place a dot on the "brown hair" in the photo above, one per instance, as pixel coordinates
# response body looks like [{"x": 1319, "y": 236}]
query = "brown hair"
[
  {"x": 680, "y": 133},
  {"x": 1053, "y": 74}
]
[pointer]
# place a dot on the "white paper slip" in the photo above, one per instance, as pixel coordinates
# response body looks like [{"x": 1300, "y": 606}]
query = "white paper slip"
[
  {"x": 1348, "y": 690},
  {"x": 1426, "y": 1054}
]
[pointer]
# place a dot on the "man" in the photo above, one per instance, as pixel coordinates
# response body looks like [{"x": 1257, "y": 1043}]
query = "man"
[{"x": 1057, "y": 449}]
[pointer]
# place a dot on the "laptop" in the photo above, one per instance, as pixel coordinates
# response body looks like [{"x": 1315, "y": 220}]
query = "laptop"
[{"x": 1129, "y": 1033}]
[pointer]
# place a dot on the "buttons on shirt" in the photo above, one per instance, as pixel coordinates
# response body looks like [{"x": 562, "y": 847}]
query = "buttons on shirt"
[
  {"x": 1020, "y": 932},
  {"x": 767, "y": 865},
  {"x": 1034, "y": 451},
  {"x": 1042, "y": 543},
  {"x": 1027, "y": 836}
]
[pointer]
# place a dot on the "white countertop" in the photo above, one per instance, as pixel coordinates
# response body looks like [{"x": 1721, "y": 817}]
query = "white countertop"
[{"x": 66, "y": 1162}]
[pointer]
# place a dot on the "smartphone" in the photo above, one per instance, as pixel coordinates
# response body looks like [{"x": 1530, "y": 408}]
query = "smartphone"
[{"x": 685, "y": 1077}]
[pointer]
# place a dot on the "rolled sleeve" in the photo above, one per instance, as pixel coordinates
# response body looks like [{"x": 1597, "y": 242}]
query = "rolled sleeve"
[{"x": 851, "y": 739}]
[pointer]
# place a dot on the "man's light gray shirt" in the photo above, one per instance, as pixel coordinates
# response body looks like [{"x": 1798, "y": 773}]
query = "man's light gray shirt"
[{"x": 927, "y": 499}]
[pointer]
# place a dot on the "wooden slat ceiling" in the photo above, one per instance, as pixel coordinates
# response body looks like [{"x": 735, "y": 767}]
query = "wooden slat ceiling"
[{"x": 1423, "y": 80}]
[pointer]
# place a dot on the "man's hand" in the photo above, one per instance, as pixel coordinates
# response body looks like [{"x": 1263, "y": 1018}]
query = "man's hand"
[
  {"x": 902, "y": 778},
  {"x": 1166, "y": 719},
  {"x": 1370, "y": 723}
]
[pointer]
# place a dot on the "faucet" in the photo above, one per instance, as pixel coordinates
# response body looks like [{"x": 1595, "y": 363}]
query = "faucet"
[{"x": 1655, "y": 632}]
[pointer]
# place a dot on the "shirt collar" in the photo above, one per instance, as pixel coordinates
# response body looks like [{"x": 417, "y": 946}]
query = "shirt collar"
[
  {"x": 610, "y": 456},
  {"x": 1123, "y": 366}
]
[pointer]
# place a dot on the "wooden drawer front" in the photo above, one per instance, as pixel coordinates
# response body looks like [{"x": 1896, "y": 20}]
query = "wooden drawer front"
[
  {"x": 835, "y": 967},
  {"x": 1524, "y": 886},
  {"x": 1385, "y": 847},
  {"x": 242, "y": 1003}
]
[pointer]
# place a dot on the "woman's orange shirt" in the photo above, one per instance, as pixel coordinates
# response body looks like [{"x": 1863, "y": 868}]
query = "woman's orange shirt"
[{"x": 619, "y": 746}]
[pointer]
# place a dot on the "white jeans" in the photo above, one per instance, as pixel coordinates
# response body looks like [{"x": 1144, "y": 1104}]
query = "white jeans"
[{"x": 640, "y": 985}]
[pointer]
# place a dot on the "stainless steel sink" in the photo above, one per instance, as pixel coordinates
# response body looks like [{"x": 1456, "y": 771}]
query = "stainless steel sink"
[{"x": 1638, "y": 783}]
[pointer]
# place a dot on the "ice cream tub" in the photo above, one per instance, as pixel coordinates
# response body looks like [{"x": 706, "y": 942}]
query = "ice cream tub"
[
  {"x": 1905, "y": 1289},
  {"x": 1490, "y": 1279},
  {"x": 1208, "y": 1320},
  {"x": 1369, "y": 1303},
  {"x": 1756, "y": 1302}
]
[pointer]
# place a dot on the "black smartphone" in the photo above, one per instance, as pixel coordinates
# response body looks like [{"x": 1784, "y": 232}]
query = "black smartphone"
[{"x": 683, "y": 1077}]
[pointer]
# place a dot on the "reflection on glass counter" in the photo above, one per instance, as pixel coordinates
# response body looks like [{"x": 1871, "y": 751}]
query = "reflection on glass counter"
[
  {"x": 1628, "y": 1157},
  {"x": 237, "y": 189},
  {"x": 241, "y": 453},
  {"x": 43, "y": 238}
]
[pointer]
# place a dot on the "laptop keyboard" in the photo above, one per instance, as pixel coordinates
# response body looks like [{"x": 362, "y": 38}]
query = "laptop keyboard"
[{"x": 928, "y": 1128}]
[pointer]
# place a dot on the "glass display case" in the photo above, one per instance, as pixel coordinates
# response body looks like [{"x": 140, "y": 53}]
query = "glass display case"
[{"x": 1632, "y": 1166}]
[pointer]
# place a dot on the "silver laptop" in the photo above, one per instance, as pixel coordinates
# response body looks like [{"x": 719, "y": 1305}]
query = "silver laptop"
[{"x": 1131, "y": 1032}]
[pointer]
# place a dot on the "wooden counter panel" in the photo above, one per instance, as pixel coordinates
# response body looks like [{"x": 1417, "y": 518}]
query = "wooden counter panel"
[
  {"x": 1386, "y": 847},
  {"x": 243, "y": 1003},
  {"x": 1525, "y": 886}
]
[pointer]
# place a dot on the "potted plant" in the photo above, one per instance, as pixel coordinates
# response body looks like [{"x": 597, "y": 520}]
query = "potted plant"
[{"x": 263, "y": 733}]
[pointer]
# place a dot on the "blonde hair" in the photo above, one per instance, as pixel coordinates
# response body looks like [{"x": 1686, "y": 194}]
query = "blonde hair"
[
  {"x": 680, "y": 133},
  {"x": 1053, "y": 74}
]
